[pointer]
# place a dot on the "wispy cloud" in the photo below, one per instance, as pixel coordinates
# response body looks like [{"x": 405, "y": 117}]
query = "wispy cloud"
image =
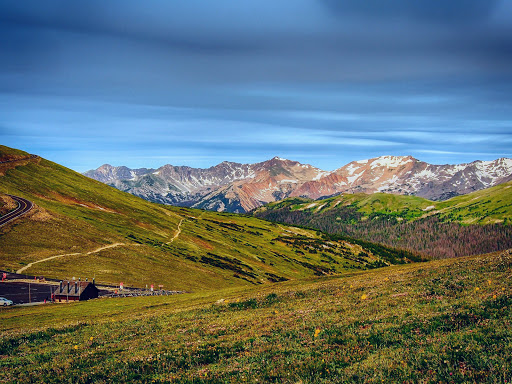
[{"x": 330, "y": 80}]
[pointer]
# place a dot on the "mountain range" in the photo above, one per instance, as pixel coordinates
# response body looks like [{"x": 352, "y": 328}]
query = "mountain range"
[{"x": 239, "y": 188}]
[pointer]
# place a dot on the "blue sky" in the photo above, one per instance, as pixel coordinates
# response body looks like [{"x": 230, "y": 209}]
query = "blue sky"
[{"x": 196, "y": 82}]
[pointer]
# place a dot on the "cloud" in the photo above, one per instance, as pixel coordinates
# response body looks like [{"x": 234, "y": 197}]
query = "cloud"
[
  {"x": 223, "y": 79},
  {"x": 437, "y": 11}
]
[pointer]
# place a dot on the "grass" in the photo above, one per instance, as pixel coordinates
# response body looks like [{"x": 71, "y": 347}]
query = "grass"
[
  {"x": 443, "y": 321},
  {"x": 488, "y": 206},
  {"x": 183, "y": 249},
  {"x": 407, "y": 207},
  {"x": 492, "y": 205},
  {"x": 465, "y": 225}
]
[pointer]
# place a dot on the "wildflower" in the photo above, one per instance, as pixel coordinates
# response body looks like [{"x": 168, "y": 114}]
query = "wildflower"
[
  {"x": 91, "y": 338},
  {"x": 75, "y": 347},
  {"x": 489, "y": 282},
  {"x": 364, "y": 297},
  {"x": 317, "y": 332},
  {"x": 493, "y": 296},
  {"x": 477, "y": 289}
]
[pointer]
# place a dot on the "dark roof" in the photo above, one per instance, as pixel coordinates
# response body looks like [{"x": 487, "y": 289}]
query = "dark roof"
[{"x": 80, "y": 287}]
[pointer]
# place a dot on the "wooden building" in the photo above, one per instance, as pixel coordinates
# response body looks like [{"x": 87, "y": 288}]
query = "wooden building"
[{"x": 76, "y": 291}]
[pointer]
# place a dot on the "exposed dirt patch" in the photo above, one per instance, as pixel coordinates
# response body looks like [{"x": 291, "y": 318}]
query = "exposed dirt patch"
[
  {"x": 40, "y": 214},
  {"x": 6, "y": 204},
  {"x": 144, "y": 225},
  {"x": 201, "y": 243},
  {"x": 74, "y": 201}
]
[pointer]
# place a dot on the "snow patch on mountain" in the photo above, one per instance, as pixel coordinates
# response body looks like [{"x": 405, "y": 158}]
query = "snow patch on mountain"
[
  {"x": 238, "y": 187},
  {"x": 351, "y": 179},
  {"x": 390, "y": 161}
]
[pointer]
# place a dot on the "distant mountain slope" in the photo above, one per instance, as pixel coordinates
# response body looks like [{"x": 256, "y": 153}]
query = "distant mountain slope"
[
  {"x": 83, "y": 228},
  {"x": 465, "y": 225},
  {"x": 235, "y": 187},
  {"x": 409, "y": 176}
]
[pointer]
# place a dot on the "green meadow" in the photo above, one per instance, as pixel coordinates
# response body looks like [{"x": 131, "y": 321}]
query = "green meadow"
[{"x": 445, "y": 321}]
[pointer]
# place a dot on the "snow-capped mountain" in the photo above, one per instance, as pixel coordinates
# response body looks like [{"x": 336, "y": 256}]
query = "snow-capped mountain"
[
  {"x": 227, "y": 186},
  {"x": 235, "y": 187},
  {"x": 108, "y": 174},
  {"x": 272, "y": 180}
]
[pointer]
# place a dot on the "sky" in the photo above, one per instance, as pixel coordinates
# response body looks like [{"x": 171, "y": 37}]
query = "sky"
[{"x": 196, "y": 82}]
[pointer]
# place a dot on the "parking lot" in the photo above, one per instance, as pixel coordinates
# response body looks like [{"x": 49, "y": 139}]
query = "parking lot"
[{"x": 21, "y": 292}]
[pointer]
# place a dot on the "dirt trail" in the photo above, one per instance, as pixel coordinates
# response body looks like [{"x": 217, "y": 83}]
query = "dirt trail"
[
  {"x": 106, "y": 247},
  {"x": 177, "y": 232},
  {"x": 21, "y": 270}
]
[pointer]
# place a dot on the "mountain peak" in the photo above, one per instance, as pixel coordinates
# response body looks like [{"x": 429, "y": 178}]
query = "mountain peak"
[{"x": 105, "y": 166}]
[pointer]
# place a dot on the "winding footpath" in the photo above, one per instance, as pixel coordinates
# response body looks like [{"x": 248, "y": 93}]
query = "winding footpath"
[
  {"x": 23, "y": 207},
  {"x": 178, "y": 231},
  {"x": 21, "y": 270}
]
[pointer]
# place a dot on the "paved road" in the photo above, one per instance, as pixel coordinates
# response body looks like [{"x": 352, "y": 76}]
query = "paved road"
[{"x": 23, "y": 207}]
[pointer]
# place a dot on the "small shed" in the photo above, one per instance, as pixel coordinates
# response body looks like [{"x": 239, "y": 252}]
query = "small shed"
[{"x": 76, "y": 291}]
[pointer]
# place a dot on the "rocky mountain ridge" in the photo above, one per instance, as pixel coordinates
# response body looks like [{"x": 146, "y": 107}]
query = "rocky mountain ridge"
[{"x": 235, "y": 187}]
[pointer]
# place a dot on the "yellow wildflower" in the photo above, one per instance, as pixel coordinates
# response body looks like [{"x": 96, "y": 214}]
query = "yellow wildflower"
[
  {"x": 364, "y": 297},
  {"x": 317, "y": 332},
  {"x": 477, "y": 289},
  {"x": 75, "y": 347}
]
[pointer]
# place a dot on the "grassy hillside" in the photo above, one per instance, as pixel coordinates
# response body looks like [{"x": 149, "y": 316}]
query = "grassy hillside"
[
  {"x": 471, "y": 224},
  {"x": 83, "y": 228},
  {"x": 444, "y": 321},
  {"x": 488, "y": 206}
]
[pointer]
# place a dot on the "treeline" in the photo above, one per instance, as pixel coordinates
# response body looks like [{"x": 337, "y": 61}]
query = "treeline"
[{"x": 430, "y": 236}]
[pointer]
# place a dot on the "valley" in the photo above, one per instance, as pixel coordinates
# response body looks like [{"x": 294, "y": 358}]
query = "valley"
[
  {"x": 83, "y": 228},
  {"x": 475, "y": 223},
  {"x": 262, "y": 301}
]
